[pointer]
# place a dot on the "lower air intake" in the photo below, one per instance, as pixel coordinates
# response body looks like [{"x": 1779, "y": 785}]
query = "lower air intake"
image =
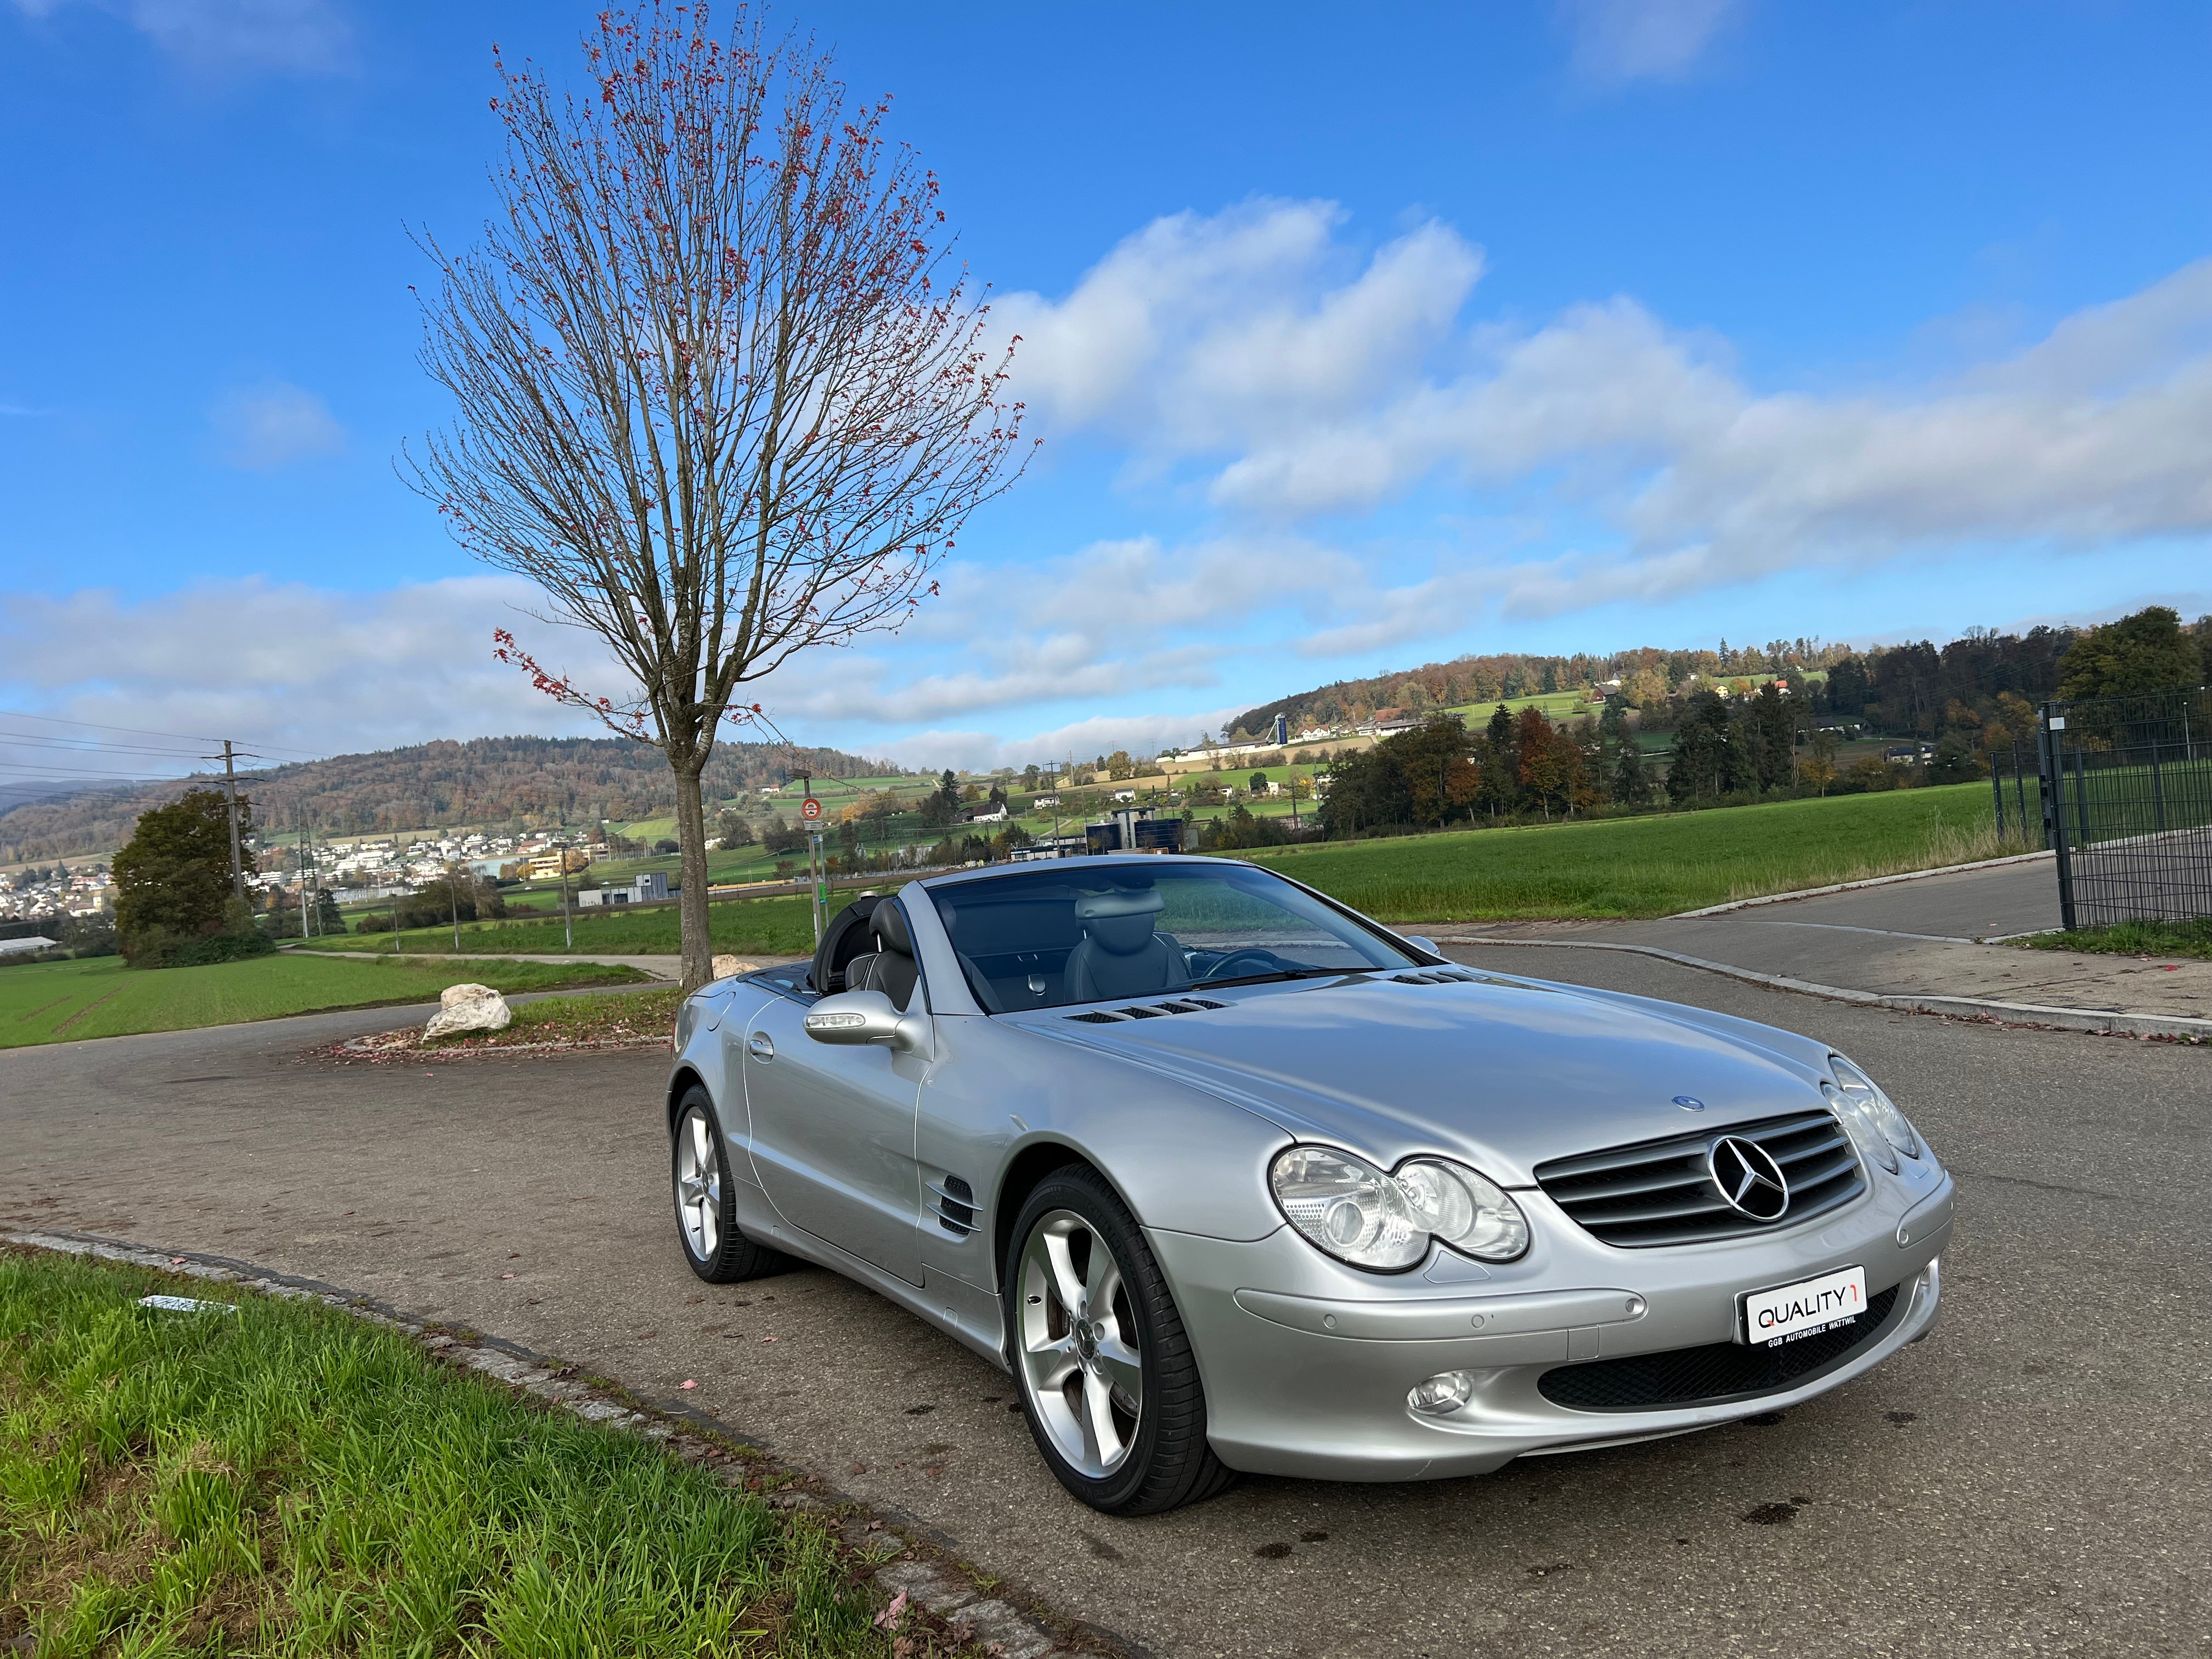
[{"x": 1712, "y": 1375}]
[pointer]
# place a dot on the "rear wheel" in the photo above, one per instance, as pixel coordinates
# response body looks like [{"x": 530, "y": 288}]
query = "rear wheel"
[
  {"x": 1108, "y": 1382},
  {"x": 706, "y": 1207}
]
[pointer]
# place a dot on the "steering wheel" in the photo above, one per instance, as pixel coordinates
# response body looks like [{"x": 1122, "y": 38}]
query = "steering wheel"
[{"x": 1268, "y": 960}]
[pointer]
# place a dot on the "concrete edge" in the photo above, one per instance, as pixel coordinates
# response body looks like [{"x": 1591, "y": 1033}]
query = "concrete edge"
[
  {"x": 994, "y": 1625},
  {"x": 2095, "y": 1021},
  {"x": 1852, "y": 886}
]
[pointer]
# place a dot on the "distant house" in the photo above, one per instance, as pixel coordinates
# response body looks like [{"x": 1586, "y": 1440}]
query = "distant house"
[
  {"x": 23, "y": 947},
  {"x": 650, "y": 884},
  {"x": 1907, "y": 754},
  {"x": 990, "y": 813},
  {"x": 1045, "y": 800},
  {"x": 1125, "y": 794}
]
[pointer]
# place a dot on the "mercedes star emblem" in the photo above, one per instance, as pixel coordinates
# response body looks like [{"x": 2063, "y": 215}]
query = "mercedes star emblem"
[{"x": 1750, "y": 1182}]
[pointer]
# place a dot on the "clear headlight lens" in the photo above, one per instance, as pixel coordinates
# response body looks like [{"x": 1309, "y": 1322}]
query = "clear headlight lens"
[
  {"x": 1348, "y": 1207},
  {"x": 1360, "y": 1215},
  {"x": 1468, "y": 1211},
  {"x": 1866, "y": 1102}
]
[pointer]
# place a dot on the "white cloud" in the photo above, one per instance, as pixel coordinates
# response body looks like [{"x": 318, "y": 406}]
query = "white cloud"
[
  {"x": 274, "y": 426},
  {"x": 1617, "y": 41},
  {"x": 290, "y": 667},
  {"x": 1253, "y": 353},
  {"x": 233, "y": 36},
  {"x": 1194, "y": 332}
]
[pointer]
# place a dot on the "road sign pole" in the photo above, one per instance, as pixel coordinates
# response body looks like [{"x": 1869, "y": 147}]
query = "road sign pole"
[{"x": 821, "y": 889}]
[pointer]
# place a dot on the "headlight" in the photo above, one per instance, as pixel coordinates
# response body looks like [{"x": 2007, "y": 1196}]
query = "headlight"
[
  {"x": 1360, "y": 1215},
  {"x": 1468, "y": 1211},
  {"x": 1856, "y": 1091}
]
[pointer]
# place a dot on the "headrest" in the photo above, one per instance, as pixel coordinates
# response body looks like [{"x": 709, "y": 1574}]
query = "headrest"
[
  {"x": 1122, "y": 902},
  {"x": 891, "y": 928}
]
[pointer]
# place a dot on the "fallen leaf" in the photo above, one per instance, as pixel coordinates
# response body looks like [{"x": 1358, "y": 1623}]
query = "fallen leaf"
[
  {"x": 507, "y": 1275},
  {"x": 771, "y": 1339},
  {"x": 889, "y": 1618},
  {"x": 690, "y": 1381}
]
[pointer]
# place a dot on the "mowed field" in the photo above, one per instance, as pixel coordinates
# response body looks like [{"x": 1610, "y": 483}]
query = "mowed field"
[
  {"x": 1645, "y": 866},
  {"x": 63, "y": 1002},
  {"x": 1649, "y": 866},
  {"x": 769, "y": 926}
]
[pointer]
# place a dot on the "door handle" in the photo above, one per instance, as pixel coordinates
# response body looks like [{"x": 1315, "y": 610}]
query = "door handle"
[{"x": 760, "y": 1047}]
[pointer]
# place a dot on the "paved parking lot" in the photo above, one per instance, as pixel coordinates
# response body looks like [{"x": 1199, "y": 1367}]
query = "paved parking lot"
[{"x": 2030, "y": 1479}]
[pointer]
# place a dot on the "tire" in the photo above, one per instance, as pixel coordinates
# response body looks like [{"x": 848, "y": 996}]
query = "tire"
[
  {"x": 705, "y": 1205},
  {"x": 1111, "y": 1393}
]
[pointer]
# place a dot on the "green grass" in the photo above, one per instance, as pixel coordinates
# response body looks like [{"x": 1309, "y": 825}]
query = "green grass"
[
  {"x": 769, "y": 926},
  {"x": 1647, "y": 867},
  {"x": 290, "y": 1480},
  {"x": 63, "y": 1002},
  {"x": 2136, "y": 938},
  {"x": 618, "y": 1017}
]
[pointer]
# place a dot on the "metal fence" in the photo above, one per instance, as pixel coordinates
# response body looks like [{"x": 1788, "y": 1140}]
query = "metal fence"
[{"x": 2125, "y": 786}]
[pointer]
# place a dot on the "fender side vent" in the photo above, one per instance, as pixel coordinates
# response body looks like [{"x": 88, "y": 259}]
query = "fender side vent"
[{"x": 955, "y": 1206}]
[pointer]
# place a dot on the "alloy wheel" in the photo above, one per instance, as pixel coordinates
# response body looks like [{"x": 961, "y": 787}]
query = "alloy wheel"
[
  {"x": 698, "y": 1185},
  {"x": 1081, "y": 1362}
]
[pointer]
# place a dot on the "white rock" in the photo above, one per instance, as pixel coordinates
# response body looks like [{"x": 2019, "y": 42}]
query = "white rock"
[
  {"x": 469, "y": 1008},
  {"x": 726, "y": 967}
]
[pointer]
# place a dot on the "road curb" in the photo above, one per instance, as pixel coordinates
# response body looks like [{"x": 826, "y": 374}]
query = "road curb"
[
  {"x": 992, "y": 1625},
  {"x": 1853, "y": 886},
  {"x": 2097, "y": 1022}
]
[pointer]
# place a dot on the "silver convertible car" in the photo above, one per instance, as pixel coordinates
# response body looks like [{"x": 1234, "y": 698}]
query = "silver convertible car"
[{"x": 1229, "y": 1177}]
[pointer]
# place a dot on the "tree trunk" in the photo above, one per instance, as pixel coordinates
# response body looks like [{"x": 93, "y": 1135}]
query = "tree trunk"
[{"x": 691, "y": 901}]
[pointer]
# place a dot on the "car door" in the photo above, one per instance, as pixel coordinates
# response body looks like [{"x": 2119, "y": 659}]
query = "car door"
[{"x": 833, "y": 1137}]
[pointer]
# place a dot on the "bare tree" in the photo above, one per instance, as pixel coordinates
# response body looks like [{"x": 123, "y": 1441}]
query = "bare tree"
[{"x": 720, "y": 391}]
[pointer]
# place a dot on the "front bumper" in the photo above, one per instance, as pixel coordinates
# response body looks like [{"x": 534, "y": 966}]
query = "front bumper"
[{"x": 1307, "y": 1362}]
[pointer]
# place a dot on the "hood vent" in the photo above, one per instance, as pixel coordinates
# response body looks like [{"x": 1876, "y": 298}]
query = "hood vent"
[
  {"x": 955, "y": 1206},
  {"x": 1178, "y": 1005},
  {"x": 1438, "y": 976}
]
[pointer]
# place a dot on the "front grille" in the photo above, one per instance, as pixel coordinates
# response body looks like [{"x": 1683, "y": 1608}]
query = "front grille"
[
  {"x": 1660, "y": 1192},
  {"x": 1718, "y": 1372}
]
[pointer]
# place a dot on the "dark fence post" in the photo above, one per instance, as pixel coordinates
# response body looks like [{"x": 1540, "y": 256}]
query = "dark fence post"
[
  {"x": 1997, "y": 788},
  {"x": 2157, "y": 790},
  {"x": 2050, "y": 782}
]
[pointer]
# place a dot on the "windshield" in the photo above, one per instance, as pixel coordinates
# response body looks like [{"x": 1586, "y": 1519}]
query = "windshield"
[{"x": 1092, "y": 930}]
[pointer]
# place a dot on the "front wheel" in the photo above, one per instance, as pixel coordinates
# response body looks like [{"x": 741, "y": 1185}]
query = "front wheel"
[
  {"x": 1108, "y": 1382},
  {"x": 706, "y": 1207}
]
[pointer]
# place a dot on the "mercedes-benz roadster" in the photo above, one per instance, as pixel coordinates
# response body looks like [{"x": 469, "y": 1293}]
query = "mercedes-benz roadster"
[{"x": 1230, "y": 1178}]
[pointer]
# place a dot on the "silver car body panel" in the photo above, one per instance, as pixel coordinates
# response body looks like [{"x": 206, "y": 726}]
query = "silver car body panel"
[{"x": 845, "y": 1156}]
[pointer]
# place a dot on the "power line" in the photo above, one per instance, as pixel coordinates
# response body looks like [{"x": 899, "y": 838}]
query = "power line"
[{"x": 143, "y": 731}]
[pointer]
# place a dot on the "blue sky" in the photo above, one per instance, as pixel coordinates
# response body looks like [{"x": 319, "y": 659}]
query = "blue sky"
[{"x": 1355, "y": 345}]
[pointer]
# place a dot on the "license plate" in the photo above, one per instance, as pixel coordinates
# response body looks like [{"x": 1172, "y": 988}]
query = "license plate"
[{"x": 1791, "y": 1313}]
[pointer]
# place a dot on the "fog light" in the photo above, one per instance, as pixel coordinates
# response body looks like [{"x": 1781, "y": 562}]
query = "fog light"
[{"x": 1442, "y": 1394}]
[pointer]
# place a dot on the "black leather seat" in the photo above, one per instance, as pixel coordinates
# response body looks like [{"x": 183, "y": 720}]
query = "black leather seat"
[
  {"x": 1119, "y": 955},
  {"x": 891, "y": 970},
  {"x": 845, "y": 939}
]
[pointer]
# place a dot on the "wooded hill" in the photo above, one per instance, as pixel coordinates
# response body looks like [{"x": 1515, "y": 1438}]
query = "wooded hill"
[{"x": 530, "y": 782}]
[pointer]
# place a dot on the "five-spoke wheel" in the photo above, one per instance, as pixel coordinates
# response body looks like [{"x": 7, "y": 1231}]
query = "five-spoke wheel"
[
  {"x": 1080, "y": 1360},
  {"x": 706, "y": 1216},
  {"x": 1108, "y": 1379}
]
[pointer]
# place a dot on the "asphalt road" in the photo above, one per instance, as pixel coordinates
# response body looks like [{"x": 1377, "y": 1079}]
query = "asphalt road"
[{"x": 2031, "y": 1479}]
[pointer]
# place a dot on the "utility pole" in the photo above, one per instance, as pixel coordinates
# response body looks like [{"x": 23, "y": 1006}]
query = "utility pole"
[
  {"x": 228, "y": 758},
  {"x": 568, "y": 928},
  {"x": 453, "y": 894}
]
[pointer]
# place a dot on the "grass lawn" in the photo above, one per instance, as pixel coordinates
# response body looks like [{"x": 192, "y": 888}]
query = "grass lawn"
[
  {"x": 769, "y": 926},
  {"x": 2133, "y": 939},
  {"x": 1647, "y": 867},
  {"x": 288, "y": 1479},
  {"x": 62, "y": 1001}
]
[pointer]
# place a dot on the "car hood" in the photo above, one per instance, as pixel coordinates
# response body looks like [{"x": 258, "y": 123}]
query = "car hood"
[{"x": 1502, "y": 1072}]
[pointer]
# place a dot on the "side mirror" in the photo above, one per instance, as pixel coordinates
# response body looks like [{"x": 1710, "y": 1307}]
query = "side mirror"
[
  {"x": 857, "y": 1018},
  {"x": 1420, "y": 944}
]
